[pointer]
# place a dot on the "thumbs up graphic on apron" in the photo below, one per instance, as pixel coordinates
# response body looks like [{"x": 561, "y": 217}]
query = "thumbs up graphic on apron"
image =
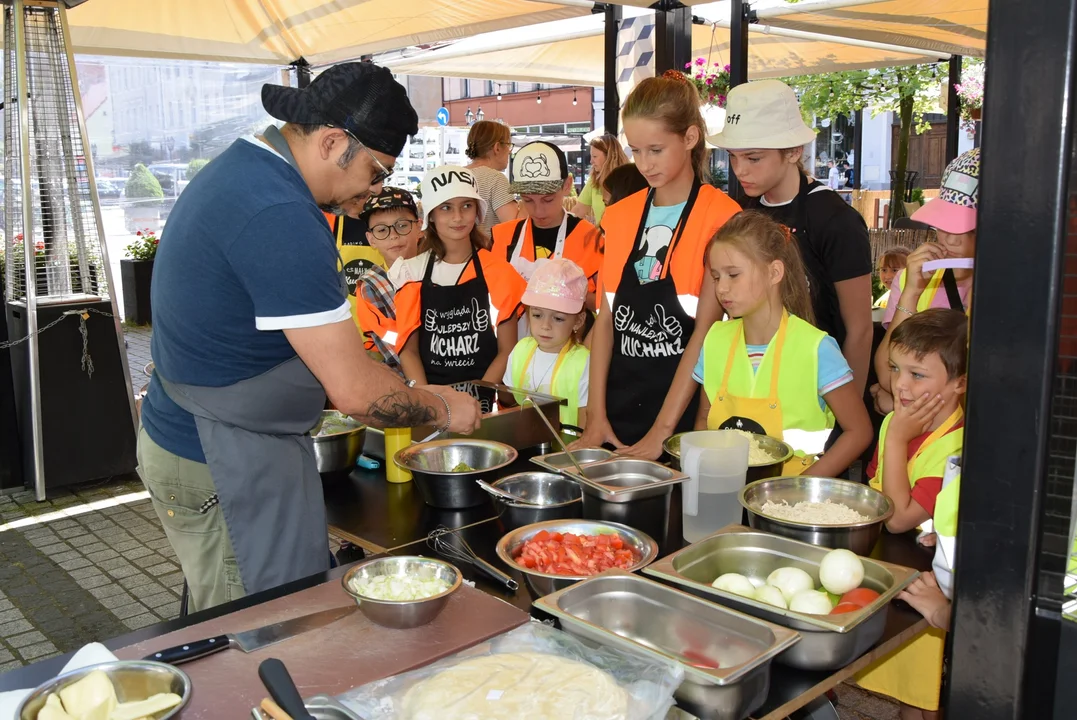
[
  {"x": 622, "y": 317},
  {"x": 480, "y": 317},
  {"x": 670, "y": 324},
  {"x": 430, "y": 321}
]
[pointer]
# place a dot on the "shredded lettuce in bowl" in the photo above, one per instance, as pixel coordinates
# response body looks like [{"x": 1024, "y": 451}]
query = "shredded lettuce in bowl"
[{"x": 398, "y": 587}]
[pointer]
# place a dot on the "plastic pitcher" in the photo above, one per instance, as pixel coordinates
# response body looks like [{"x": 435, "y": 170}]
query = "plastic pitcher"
[{"x": 716, "y": 462}]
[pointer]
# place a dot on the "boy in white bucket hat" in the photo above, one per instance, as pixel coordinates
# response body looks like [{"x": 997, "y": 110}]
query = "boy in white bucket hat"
[{"x": 765, "y": 135}]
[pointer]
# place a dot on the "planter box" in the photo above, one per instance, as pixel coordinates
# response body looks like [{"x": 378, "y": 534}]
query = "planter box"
[{"x": 135, "y": 277}]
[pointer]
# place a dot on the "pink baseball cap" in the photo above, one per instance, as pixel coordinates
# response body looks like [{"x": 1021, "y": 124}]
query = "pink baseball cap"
[
  {"x": 954, "y": 210},
  {"x": 559, "y": 285}
]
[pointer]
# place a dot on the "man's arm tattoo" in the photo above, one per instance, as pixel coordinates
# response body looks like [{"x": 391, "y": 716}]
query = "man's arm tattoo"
[{"x": 398, "y": 409}]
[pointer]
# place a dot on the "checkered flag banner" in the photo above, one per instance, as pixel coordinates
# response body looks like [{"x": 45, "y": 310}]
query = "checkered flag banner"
[{"x": 635, "y": 53}]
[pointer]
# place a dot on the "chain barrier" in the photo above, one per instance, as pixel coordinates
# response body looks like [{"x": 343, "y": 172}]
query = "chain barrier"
[{"x": 83, "y": 315}]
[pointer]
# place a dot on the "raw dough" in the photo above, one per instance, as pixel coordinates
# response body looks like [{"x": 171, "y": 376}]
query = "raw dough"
[{"x": 512, "y": 686}]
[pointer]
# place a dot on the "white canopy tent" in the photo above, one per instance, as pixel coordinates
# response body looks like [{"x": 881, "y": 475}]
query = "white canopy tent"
[
  {"x": 572, "y": 52},
  {"x": 281, "y": 31}
]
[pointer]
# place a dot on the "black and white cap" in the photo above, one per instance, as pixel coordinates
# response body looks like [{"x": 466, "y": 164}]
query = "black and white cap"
[{"x": 538, "y": 168}]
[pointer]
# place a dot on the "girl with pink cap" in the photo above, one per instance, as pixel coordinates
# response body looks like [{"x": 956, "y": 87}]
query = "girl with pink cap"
[{"x": 553, "y": 359}]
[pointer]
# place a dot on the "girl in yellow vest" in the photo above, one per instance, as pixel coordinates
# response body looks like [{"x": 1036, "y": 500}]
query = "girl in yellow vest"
[
  {"x": 552, "y": 360},
  {"x": 953, "y": 215},
  {"x": 768, "y": 370},
  {"x": 928, "y": 357}
]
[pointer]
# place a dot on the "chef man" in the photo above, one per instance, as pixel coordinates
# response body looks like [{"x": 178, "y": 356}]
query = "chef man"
[{"x": 252, "y": 330}]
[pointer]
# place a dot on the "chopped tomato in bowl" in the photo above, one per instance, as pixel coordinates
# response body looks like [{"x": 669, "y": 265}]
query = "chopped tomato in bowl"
[{"x": 569, "y": 554}]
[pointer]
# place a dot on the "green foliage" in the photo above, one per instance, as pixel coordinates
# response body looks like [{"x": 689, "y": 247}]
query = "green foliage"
[
  {"x": 195, "y": 166},
  {"x": 917, "y": 196},
  {"x": 142, "y": 184},
  {"x": 911, "y": 91},
  {"x": 144, "y": 247}
]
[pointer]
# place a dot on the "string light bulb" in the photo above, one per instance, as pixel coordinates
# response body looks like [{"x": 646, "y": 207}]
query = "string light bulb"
[
  {"x": 538, "y": 99},
  {"x": 574, "y": 101}
]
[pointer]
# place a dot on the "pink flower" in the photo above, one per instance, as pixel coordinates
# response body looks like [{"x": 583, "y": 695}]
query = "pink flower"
[
  {"x": 139, "y": 233},
  {"x": 726, "y": 68},
  {"x": 700, "y": 61},
  {"x": 687, "y": 65}
]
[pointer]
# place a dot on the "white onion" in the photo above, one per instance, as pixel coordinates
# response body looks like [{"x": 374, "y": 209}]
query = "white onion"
[
  {"x": 790, "y": 581},
  {"x": 841, "y": 571},
  {"x": 398, "y": 587},
  {"x": 771, "y": 596},
  {"x": 735, "y": 583},
  {"x": 811, "y": 602}
]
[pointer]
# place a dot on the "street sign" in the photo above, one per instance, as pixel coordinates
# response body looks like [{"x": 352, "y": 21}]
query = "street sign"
[{"x": 443, "y": 117}]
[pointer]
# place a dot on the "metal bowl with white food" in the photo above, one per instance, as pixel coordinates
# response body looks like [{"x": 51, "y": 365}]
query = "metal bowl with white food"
[
  {"x": 445, "y": 471},
  {"x": 540, "y": 583},
  {"x": 132, "y": 680},
  {"x": 402, "y": 614},
  {"x": 859, "y": 536}
]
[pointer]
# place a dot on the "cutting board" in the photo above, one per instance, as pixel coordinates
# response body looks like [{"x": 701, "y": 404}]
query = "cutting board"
[{"x": 345, "y": 654}]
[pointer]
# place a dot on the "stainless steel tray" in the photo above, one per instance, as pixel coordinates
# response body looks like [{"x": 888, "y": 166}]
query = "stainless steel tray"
[
  {"x": 517, "y": 426},
  {"x": 622, "y": 480},
  {"x": 828, "y": 641},
  {"x": 626, "y": 611},
  {"x": 322, "y": 707},
  {"x": 559, "y": 462}
]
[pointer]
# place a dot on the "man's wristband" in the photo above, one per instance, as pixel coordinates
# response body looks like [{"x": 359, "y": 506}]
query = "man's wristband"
[{"x": 448, "y": 412}]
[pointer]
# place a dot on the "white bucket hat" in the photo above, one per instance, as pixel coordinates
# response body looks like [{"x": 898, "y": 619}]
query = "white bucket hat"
[
  {"x": 762, "y": 114},
  {"x": 445, "y": 183}
]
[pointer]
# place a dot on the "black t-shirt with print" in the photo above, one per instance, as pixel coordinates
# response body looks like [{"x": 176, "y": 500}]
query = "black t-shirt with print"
[
  {"x": 834, "y": 245},
  {"x": 547, "y": 237}
]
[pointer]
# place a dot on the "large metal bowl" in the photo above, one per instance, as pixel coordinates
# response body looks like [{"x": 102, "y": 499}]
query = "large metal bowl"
[
  {"x": 403, "y": 614},
  {"x": 133, "y": 679},
  {"x": 781, "y": 452},
  {"x": 431, "y": 465},
  {"x": 542, "y": 496},
  {"x": 858, "y": 537},
  {"x": 545, "y": 583},
  {"x": 337, "y": 451}
]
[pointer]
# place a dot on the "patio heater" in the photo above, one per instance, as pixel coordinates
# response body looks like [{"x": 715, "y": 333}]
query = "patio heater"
[{"x": 73, "y": 395}]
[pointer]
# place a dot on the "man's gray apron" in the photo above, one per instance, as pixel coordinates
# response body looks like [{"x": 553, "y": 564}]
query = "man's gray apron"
[{"x": 255, "y": 438}]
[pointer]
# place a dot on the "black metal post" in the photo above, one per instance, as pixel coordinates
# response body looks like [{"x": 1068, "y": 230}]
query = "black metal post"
[
  {"x": 302, "y": 72},
  {"x": 673, "y": 36},
  {"x": 953, "y": 108},
  {"x": 740, "y": 16},
  {"x": 858, "y": 147},
  {"x": 612, "y": 108},
  {"x": 1009, "y": 565}
]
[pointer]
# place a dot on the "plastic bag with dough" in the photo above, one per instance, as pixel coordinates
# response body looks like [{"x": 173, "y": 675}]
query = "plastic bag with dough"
[
  {"x": 53, "y": 709},
  {"x": 143, "y": 708},
  {"x": 87, "y": 694},
  {"x": 510, "y": 686}
]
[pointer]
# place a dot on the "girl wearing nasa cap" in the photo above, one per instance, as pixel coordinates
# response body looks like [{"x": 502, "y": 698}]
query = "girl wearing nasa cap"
[
  {"x": 553, "y": 360},
  {"x": 656, "y": 301},
  {"x": 456, "y": 301}
]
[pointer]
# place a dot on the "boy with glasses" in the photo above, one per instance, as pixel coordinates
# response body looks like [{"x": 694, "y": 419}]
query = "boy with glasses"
[{"x": 391, "y": 219}]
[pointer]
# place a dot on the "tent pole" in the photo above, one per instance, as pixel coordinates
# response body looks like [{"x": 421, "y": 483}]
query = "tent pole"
[
  {"x": 612, "y": 102},
  {"x": 953, "y": 108},
  {"x": 673, "y": 36},
  {"x": 740, "y": 16},
  {"x": 302, "y": 72}
]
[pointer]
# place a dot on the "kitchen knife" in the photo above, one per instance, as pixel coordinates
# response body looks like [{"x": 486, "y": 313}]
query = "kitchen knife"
[{"x": 251, "y": 640}]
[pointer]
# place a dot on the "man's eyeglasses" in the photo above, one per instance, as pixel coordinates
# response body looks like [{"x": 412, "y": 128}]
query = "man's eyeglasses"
[
  {"x": 383, "y": 172},
  {"x": 402, "y": 227}
]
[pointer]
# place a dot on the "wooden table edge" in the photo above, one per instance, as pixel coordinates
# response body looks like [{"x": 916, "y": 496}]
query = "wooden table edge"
[{"x": 846, "y": 672}]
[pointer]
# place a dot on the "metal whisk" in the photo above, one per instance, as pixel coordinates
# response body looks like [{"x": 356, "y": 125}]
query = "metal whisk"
[{"x": 444, "y": 541}]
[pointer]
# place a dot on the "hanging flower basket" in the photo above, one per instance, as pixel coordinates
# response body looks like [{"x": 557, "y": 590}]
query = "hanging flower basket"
[
  {"x": 971, "y": 93},
  {"x": 711, "y": 79}
]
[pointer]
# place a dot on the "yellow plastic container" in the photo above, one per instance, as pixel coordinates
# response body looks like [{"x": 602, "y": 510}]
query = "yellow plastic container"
[{"x": 396, "y": 439}]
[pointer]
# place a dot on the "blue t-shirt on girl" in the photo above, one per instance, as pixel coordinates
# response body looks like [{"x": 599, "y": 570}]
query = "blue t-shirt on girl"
[
  {"x": 657, "y": 234},
  {"x": 834, "y": 371}
]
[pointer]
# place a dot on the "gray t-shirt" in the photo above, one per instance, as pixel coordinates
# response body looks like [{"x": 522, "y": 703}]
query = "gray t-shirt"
[{"x": 494, "y": 188}]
